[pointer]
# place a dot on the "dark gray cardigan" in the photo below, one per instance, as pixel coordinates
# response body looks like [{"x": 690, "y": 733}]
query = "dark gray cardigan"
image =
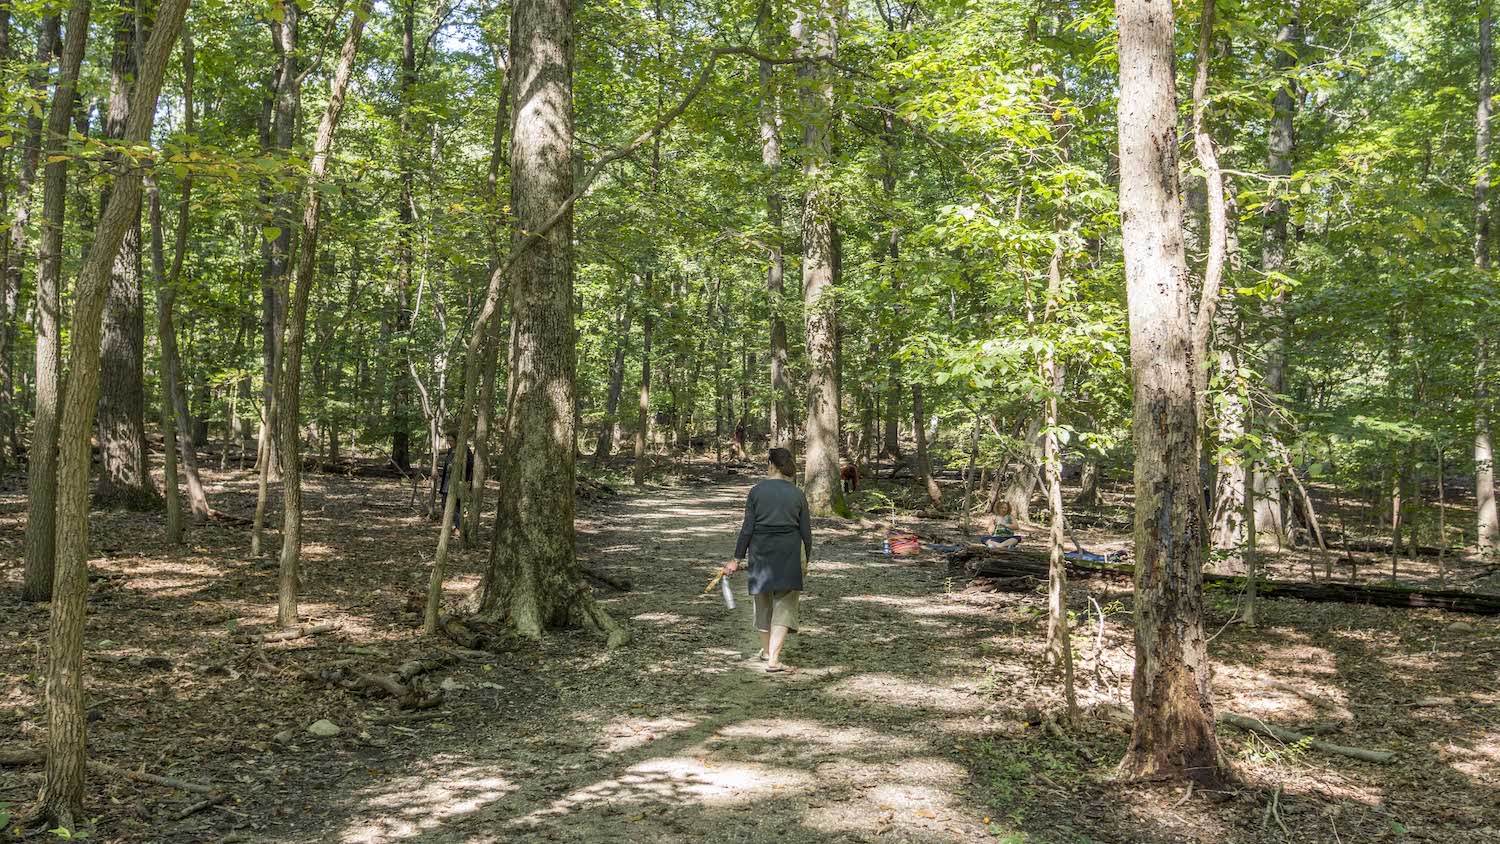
[{"x": 776, "y": 529}]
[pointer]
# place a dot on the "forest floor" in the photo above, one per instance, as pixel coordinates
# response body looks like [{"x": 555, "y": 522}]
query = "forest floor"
[{"x": 913, "y": 715}]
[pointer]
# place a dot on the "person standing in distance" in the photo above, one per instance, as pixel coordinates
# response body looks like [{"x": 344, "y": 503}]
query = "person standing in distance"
[{"x": 777, "y": 536}]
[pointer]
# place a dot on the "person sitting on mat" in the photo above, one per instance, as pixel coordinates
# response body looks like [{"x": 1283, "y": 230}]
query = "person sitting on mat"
[
  {"x": 777, "y": 535},
  {"x": 1001, "y": 534}
]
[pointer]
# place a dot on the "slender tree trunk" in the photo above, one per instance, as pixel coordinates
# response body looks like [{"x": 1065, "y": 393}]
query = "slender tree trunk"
[
  {"x": 1059, "y": 642},
  {"x": 62, "y": 792},
  {"x": 533, "y": 578},
  {"x": 41, "y": 475},
  {"x": 485, "y": 414},
  {"x": 1442, "y": 543},
  {"x": 643, "y": 415},
  {"x": 401, "y": 382},
  {"x": 174, "y": 393},
  {"x": 291, "y": 375},
  {"x": 1282, "y": 143},
  {"x": 770, "y": 147},
  {"x": 817, "y": 37},
  {"x": 19, "y": 243},
  {"x": 616, "y": 385},
  {"x": 1173, "y": 734},
  {"x": 167, "y": 368},
  {"x": 276, "y": 247},
  {"x": 924, "y": 462},
  {"x": 1484, "y": 452},
  {"x": 1218, "y": 219},
  {"x": 124, "y": 480}
]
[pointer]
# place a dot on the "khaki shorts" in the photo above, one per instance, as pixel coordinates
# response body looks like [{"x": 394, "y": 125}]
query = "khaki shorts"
[{"x": 777, "y": 609}]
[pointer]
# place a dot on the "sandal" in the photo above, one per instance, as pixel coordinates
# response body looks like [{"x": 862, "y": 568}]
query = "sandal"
[
  {"x": 763, "y": 656},
  {"x": 778, "y": 668}
]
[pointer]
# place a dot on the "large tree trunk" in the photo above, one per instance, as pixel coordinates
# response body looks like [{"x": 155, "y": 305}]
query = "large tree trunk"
[
  {"x": 41, "y": 475},
  {"x": 124, "y": 480},
  {"x": 1173, "y": 734},
  {"x": 1484, "y": 453},
  {"x": 533, "y": 579},
  {"x": 1269, "y": 521},
  {"x": 817, "y": 38},
  {"x": 62, "y": 792},
  {"x": 291, "y": 375}
]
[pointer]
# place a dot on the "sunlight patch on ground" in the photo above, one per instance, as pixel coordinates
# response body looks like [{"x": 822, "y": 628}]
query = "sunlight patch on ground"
[
  {"x": 625, "y": 733},
  {"x": 889, "y": 690},
  {"x": 832, "y": 565},
  {"x": 1478, "y": 758},
  {"x": 680, "y": 780},
  {"x": 791, "y": 730},
  {"x": 414, "y": 805},
  {"x": 911, "y": 798},
  {"x": 669, "y": 618}
]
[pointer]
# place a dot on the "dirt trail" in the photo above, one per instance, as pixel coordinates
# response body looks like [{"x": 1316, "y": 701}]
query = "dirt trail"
[
  {"x": 682, "y": 737},
  {"x": 909, "y": 719}
]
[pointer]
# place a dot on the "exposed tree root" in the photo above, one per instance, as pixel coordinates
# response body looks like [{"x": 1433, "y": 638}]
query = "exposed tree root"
[
  {"x": 286, "y": 635},
  {"x": 397, "y": 684}
]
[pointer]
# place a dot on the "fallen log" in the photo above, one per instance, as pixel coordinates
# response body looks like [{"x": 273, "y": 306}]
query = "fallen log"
[
  {"x": 1255, "y": 725},
  {"x": 1120, "y": 716},
  {"x": 1004, "y": 566},
  {"x": 1383, "y": 546}
]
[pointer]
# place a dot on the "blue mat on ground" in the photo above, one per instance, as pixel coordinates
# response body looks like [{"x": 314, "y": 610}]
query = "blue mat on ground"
[{"x": 1090, "y": 557}]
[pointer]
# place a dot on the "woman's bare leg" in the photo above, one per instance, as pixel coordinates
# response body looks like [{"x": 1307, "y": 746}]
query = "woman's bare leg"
[{"x": 775, "y": 639}]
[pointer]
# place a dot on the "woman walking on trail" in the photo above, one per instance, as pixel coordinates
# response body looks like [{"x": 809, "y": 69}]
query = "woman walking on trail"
[{"x": 777, "y": 534}]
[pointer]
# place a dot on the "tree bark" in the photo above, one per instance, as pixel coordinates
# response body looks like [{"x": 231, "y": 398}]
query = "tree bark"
[
  {"x": 606, "y": 439},
  {"x": 62, "y": 793},
  {"x": 643, "y": 414},
  {"x": 1484, "y": 452},
  {"x": 770, "y": 156},
  {"x": 484, "y": 417},
  {"x": 291, "y": 375},
  {"x": 174, "y": 393},
  {"x": 20, "y": 245},
  {"x": 533, "y": 579},
  {"x": 1173, "y": 734},
  {"x": 401, "y": 384},
  {"x": 124, "y": 480},
  {"x": 41, "y": 475},
  {"x": 1269, "y": 522},
  {"x": 924, "y": 461},
  {"x": 276, "y": 249},
  {"x": 817, "y": 38}
]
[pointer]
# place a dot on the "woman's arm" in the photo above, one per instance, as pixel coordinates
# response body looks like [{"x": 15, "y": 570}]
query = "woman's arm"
[
  {"x": 747, "y": 528},
  {"x": 804, "y": 523}
]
